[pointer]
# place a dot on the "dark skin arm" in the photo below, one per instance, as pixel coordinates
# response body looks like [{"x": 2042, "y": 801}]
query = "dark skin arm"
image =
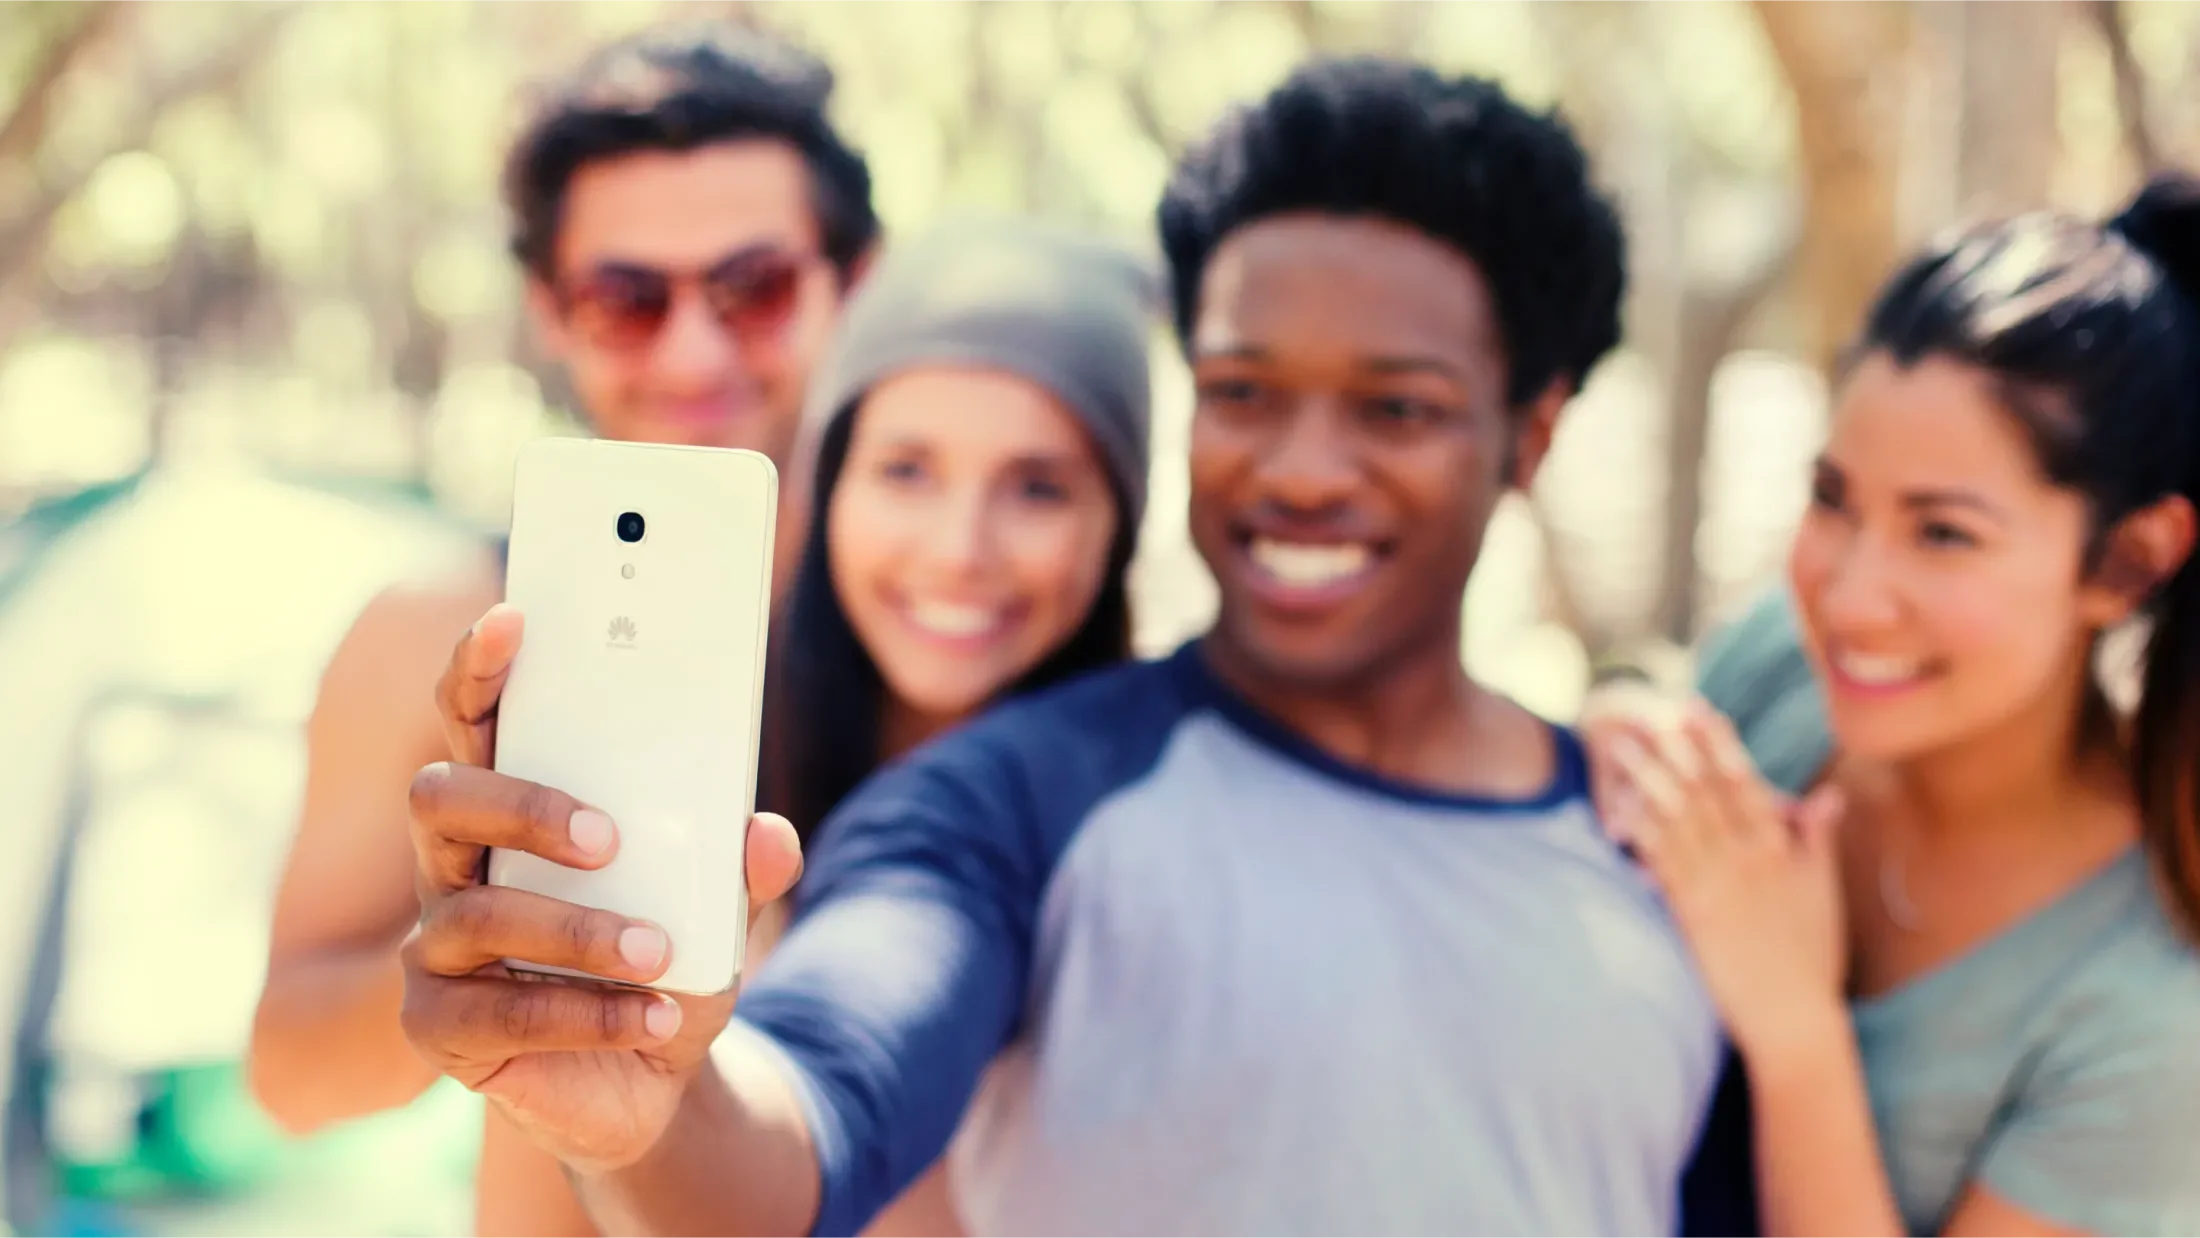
[
  {"x": 618, "y": 1084},
  {"x": 522, "y": 1191}
]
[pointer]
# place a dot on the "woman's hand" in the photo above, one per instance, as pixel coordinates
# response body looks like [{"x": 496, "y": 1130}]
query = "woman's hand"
[{"x": 1752, "y": 879}]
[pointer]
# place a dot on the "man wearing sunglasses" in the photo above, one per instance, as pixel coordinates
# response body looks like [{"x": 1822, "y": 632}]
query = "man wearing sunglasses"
[{"x": 688, "y": 221}]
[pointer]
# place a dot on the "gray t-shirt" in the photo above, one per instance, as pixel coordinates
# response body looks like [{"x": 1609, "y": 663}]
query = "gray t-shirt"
[
  {"x": 1217, "y": 982},
  {"x": 2057, "y": 1063}
]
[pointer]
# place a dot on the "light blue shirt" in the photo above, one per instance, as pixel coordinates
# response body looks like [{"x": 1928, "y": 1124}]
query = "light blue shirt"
[
  {"x": 1215, "y": 982},
  {"x": 2057, "y": 1063}
]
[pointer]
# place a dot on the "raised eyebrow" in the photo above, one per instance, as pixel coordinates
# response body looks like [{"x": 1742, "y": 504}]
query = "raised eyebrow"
[
  {"x": 1932, "y": 497},
  {"x": 1414, "y": 365}
]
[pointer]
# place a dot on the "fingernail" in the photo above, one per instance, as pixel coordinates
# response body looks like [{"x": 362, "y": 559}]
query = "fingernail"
[
  {"x": 662, "y": 1019},
  {"x": 590, "y": 830},
  {"x": 642, "y": 946}
]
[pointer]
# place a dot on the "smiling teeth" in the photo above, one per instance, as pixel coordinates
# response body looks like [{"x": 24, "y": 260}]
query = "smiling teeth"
[
  {"x": 1310, "y": 567},
  {"x": 1877, "y": 672},
  {"x": 948, "y": 619}
]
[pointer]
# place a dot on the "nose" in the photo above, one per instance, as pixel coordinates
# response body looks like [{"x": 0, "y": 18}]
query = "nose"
[
  {"x": 695, "y": 354},
  {"x": 958, "y": 537},
  {"x": 1311, "y": 464},
  {"x": 1858, "y": 595}
]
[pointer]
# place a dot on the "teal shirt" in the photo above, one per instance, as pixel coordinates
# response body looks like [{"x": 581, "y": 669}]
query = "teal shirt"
[{"x": 2057, "y": 1063}]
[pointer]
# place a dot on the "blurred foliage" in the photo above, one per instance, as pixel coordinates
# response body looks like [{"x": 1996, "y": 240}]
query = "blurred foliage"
[{"x": 270, "y": 231}]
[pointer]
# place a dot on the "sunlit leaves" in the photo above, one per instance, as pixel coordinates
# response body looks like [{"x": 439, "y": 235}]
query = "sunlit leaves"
[
  {"x": 1097, "y": 142},
  {"x": 101, "y": 391},
  {"x": 463, "y": 275},
  {"x": 132, "y": 211},
  {"x": 1742, "y": 112},
  {"x": 214, "y": 156}
]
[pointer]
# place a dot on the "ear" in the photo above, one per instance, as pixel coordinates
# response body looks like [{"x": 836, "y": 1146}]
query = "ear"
[
  {"x": 2141, "y": 553},
  {"x": 1532, "y": 430},
  {"x": 543, "y": 316}
]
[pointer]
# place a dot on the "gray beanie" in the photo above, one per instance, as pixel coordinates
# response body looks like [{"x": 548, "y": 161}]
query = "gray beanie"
[{"x": 1065, "y": 311}]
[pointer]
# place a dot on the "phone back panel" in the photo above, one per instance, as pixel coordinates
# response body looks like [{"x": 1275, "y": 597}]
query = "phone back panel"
[{"x": 638, "y": 686}]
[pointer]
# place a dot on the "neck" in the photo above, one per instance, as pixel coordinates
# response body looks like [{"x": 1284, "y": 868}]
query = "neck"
[
  {"x": 903, "y": 727},
  {"x": 1380, "y": 719}
]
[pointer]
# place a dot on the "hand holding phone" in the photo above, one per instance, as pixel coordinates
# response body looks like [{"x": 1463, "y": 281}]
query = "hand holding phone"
[{"x": 593, "y": 1073}]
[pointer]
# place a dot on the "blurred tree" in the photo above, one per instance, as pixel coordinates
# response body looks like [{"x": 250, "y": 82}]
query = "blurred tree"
[
  {"x": 1712, "y": 234},
  {"x": 2133, "y": 109},
  {"x": 59, "y": 36},
  {"x": 23, "y": 229},
  {"x": 302, "y": 199},
  {"x": 1847, "y": 66},
  {"x": 2004, "y": 58}
]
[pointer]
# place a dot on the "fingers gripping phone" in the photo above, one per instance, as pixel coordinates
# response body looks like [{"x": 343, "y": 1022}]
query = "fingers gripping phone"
[{"x": 642, "y": 574}]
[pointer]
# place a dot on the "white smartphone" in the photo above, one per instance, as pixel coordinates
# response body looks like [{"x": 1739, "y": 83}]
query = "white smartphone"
[{"x": 643, "y": 576}]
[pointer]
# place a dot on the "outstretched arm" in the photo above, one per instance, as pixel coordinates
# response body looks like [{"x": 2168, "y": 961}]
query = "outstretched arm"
[
  {"x": 859, "y": 1048},
  {"x": 325, "y": 1040},
  {"x": 855, "y": 1054}
]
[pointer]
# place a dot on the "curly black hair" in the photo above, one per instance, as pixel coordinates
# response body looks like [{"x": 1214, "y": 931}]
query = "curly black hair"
[
  {"x": 1453, "y": 157},
  {"x": 676, "y": 89}
]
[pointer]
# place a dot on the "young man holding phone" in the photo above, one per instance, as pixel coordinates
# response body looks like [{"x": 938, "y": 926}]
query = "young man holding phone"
[
  {"x": 688, "y": 221},
  {"x": 1299, "y": 929}
]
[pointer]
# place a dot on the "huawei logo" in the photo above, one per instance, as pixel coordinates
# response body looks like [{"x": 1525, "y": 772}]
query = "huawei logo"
[{"x": 622, "y": 631}]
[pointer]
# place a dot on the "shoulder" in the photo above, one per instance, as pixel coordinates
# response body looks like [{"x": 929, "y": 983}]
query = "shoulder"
[
  {"x": 426, "y": 614},
  {"x": 1093, "y": 731},
  {"x": 1019, "y": 778},
  {"x": 401, "y": 639},
  {"x": 2099, "y": 1130},
  {"x": 2135, "y": 1002},
  {"x": 1753, "y": 670}
]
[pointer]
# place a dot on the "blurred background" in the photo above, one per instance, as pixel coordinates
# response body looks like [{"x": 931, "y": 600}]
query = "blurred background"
[{"x": 261, "y": 354}]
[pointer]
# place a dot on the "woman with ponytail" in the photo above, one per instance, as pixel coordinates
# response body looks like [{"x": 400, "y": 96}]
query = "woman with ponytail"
[{"x": 1960, "y": 970}]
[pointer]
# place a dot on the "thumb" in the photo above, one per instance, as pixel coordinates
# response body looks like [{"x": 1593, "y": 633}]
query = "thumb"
[{"x": 1817, "y": 819}]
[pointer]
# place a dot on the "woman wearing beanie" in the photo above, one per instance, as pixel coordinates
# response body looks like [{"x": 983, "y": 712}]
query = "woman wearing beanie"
[
  {"x": 980, "y": 475},
  {"x": 981, "y": 457},
  {"x": 1961, "y": 972}
]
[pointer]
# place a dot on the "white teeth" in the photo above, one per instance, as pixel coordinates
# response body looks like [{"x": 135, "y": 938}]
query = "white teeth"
[
  {"x": 952, "y": 620},
  {"x": 1310, "y": 567},
  {"x": 1873, "y": 672}
]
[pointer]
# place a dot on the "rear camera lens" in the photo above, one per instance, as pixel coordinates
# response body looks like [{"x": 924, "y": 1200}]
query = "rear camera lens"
[{"x": 631, "y": 527}]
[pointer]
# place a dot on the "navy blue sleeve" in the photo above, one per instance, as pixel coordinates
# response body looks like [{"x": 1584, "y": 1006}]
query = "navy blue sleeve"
[
  {"x": 905, "y": 971},
  {"x": 1719, "y": 1187}
]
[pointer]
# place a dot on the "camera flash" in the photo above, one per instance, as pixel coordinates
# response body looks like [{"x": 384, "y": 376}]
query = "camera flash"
[{"x": 627, "y": 570}]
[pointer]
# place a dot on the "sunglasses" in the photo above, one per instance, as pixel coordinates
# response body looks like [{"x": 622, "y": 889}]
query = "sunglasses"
[{"x": 623, "y": 306}]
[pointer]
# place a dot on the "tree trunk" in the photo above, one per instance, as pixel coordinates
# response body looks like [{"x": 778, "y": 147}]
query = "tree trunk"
[
  {"x": 24, "y": 126},
  {"x": 1845, "y": 64},
  {"x": 2132, "y": 109},
  {"x": 2009, "y": 134},
  {"x": 1712, "y": 316},
  {"x": 23, "y": 235}
]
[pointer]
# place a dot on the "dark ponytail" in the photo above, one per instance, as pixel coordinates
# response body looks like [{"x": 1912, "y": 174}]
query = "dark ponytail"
[
  {"x": 2164, "y": 223},
  {"x": 2093, "y": 332}
]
